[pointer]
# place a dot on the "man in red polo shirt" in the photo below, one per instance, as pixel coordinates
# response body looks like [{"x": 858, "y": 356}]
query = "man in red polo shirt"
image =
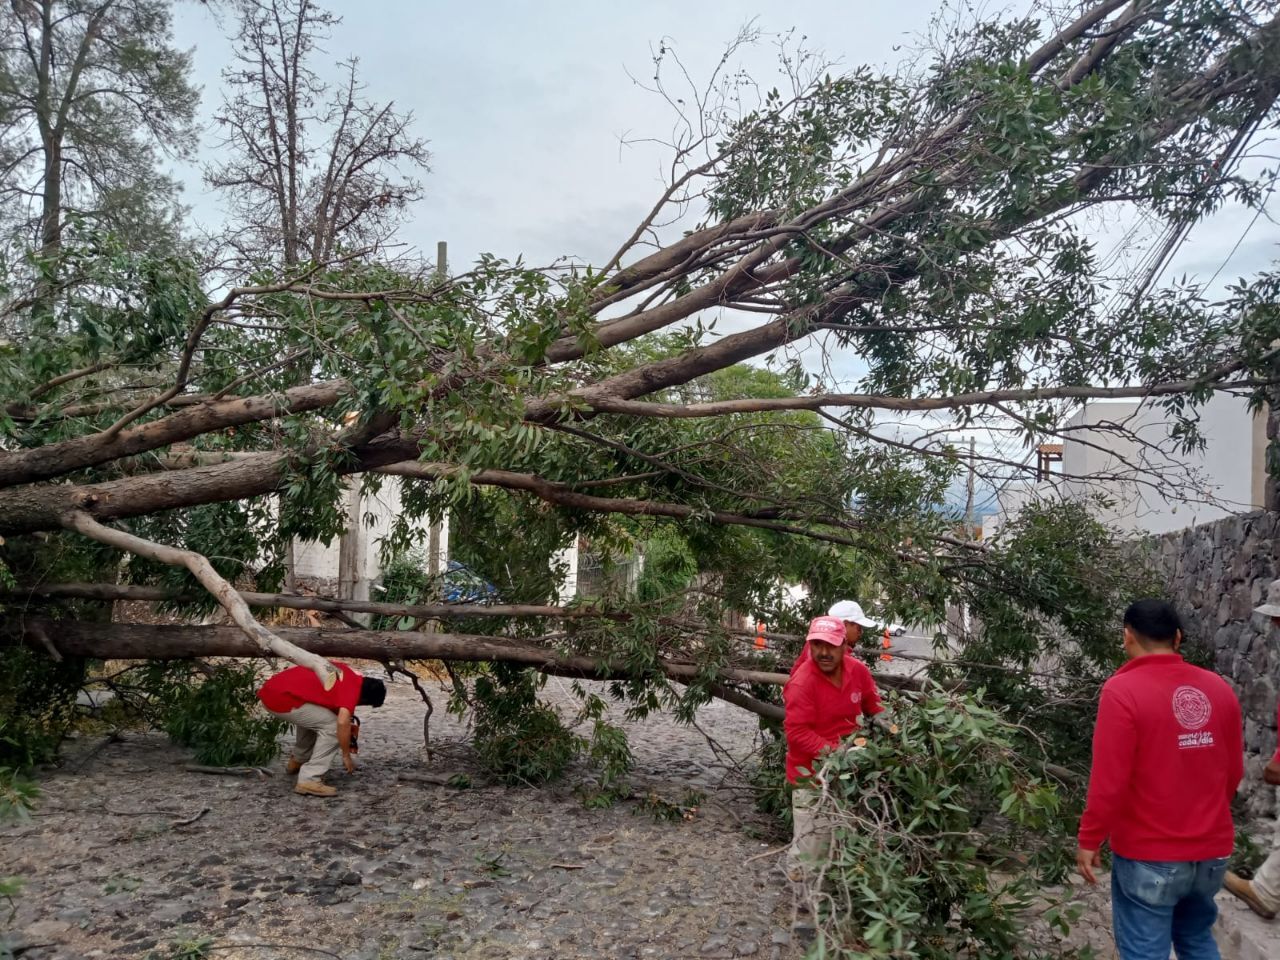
[
  {"x": 322, "y": 718},
  {"x": 829, "y": 691},
  {"x": 1168, "y": 755}
]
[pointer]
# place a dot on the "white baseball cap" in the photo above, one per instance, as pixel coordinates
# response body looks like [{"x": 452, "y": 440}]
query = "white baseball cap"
[{"x": 850, "y": 611}]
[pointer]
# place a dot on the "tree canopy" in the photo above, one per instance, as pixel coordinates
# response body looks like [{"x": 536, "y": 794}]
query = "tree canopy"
[{"x": 929, "y": 222}]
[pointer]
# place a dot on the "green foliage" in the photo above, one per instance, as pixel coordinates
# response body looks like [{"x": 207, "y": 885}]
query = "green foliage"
[
  {"x": 37, "y": 705},
  {"x": 664, "y": 809},
  {"x": 405, "y": 580},
  {"x": 1247, "y": 855},
  {"x": 946, "y": 836},
  {"x": 768, "y": 777},
  {"x": 18, "y": 795},
  {"x": 216, "y": 715},
  {"x": 121, "y": 883},
  {"x": 518, "y": 739},
  {"x": 1049, "y": 600},
  {"x": 610, "y": 753},
  {"x": 10, "y": 887},
  {"x": 492, "y": 864}
]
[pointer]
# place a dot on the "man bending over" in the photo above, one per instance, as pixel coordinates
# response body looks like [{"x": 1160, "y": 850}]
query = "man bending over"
[{"x": 322, "y": 718}]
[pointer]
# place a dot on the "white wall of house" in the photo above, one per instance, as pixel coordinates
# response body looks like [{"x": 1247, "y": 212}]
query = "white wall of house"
[
  {"x": 569, "y": 556},
  {"x": 1152, "y": 487},
  {"x": 377, "y": 513}
]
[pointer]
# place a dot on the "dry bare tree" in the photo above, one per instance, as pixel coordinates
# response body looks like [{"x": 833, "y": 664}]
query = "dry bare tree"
[{"x": 314, "y": 166}]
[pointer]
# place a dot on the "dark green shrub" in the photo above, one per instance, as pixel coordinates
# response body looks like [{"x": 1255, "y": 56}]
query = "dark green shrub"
[
  {"x": 768, "y": 777},
  {"x": 37, "y": 705},
  {"x": 531, "y": 748},
  {"x": 946, "y": 837},
  {"x": 217, "y": 715}
]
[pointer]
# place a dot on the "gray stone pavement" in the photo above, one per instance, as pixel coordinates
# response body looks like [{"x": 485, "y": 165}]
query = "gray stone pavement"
[
  {"x": 390, "y": 870},
  {"x": 395, "y": 870}
]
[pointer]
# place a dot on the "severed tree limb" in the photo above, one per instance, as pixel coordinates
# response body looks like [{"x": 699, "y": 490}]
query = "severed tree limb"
[
  {"x": 646, "y": 408},
  {"x": 565, "y": 496},
  {"x": 212, "y": 581},
  {"x": 53, "y": 459},
  {"x": 125, "y": 641}
]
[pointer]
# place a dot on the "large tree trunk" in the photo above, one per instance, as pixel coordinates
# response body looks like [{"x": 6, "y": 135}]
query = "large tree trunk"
[{"x": 128, "y": 641}]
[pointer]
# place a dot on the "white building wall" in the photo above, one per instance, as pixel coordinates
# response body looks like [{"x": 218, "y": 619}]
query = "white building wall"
[
  {"x": 569, "y": 556},
  {"x": 378, "y": 513},
  {"x": 1150, "y": 485}
]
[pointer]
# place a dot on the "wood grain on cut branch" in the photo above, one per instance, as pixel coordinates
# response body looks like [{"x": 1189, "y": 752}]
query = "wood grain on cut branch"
[{"x": 212, "y": 581}]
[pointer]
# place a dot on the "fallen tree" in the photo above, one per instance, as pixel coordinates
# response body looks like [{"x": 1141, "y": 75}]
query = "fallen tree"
[
  {"x": 926, "y": 226},
  {"x": 132, "y": 641}
]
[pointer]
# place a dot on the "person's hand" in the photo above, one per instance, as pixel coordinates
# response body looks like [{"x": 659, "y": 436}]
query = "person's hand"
[
  {"x": 1086, "y": 861},
  {"x": 349, "y": 762},
  {"x": 1271, "y": 773}
]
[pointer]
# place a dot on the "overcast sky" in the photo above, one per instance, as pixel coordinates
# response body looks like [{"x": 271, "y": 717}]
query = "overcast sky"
[{"x": 526, "y": 106}]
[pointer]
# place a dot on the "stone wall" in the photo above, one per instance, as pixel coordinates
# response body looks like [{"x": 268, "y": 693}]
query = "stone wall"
[{"x": 1217, "y": 574}]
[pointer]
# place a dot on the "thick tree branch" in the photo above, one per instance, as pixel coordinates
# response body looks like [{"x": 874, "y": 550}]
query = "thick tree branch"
[
  {"x": 564, "y": 496},
  {"x": 54, "y": 459},
  {"x": 425, "y": 611},
  {"x": 721, "y": 408},
  {"x": 167, "y": 642},
  {"x": 212, "y": 581}
]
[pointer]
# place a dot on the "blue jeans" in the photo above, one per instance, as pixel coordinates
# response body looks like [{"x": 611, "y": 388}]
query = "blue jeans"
[{"x": 1158, "y": 905}]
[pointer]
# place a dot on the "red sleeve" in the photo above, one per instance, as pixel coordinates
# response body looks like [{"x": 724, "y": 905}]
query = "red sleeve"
[
  {"x": 1115, "y": 742},
  {"x": 800, "y": 720},
  {"x": 871, "y": 704}
]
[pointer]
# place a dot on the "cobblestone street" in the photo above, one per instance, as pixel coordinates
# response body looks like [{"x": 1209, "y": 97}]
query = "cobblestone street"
[{"x": 390, "y": 869}]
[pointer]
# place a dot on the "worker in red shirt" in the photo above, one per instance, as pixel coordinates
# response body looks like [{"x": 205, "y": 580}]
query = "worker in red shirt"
[
  {"x": 322, "y": 718},
  {"x": 826, "y": 697},
  {"x": 1167, "y": 759},
  {"x": 1262, "y": 893}
]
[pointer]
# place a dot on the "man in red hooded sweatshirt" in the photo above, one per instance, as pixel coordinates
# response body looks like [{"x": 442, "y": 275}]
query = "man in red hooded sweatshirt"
[
  {"x": 1167, "y": 759},
  {"x": 828, "y": 693}
]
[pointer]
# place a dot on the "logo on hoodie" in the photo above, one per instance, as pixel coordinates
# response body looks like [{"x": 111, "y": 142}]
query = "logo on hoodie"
[{"x": 1191, "y": 707}]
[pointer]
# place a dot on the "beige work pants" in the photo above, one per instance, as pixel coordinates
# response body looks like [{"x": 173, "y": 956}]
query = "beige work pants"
[
  {"x": 317, "y": 740},
  {"x": 811, "y": 834},
  {"x": 1266, "y": 882}
]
